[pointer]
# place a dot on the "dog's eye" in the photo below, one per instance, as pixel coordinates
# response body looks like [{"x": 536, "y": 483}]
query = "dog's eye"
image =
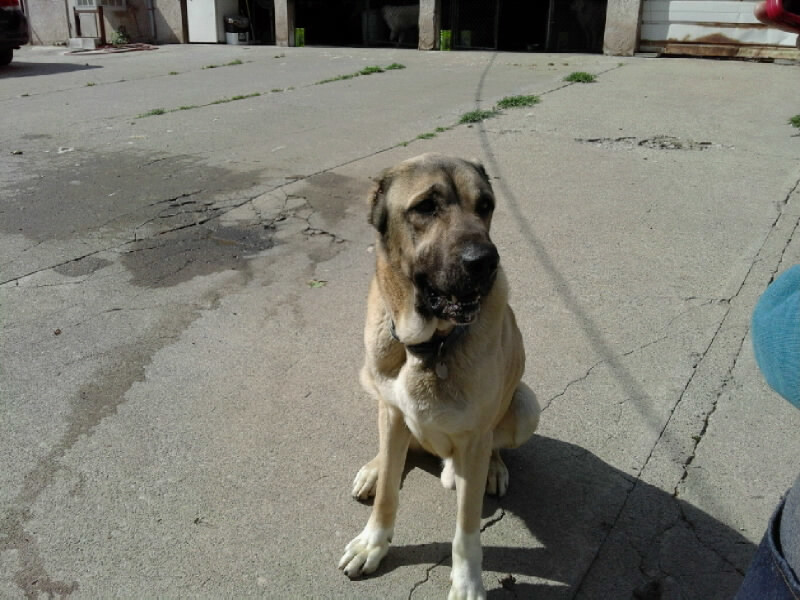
[
  {"x": 484, "y": 206},
  {"x": 426, "y": 207}
]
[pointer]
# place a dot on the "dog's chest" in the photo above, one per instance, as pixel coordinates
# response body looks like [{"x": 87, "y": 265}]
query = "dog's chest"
[{"x": 434, "y": 409}]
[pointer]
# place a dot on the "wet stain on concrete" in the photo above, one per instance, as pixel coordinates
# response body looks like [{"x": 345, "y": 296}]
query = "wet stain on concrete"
[
  {"x": 82, "y": 267},
  {"x": 78, "y": 193},
  {"x": 180, "y": 255},
  {"x": 94, "y": 403},
  {"x": 330, "y": 195}
]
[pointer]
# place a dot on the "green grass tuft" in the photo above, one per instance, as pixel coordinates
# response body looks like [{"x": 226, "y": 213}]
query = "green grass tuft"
[
  {"x": 580, "y": 77},
  {"x": 370, "y": 70},
  {"x": 795, "y": 121},
  {"x": 426, "y": 136},
  {"x": 365, "y": 71},
  {"x": 245, "y": 96},
  {"x": 518, "y": 101},
  {"x": 476, "y": 116}
]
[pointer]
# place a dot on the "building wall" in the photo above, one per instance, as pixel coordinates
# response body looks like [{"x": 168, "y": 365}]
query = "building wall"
[
  {"x": 623, "y": 20},
  {"x": 52, "y": 21},
  {"x": 48, "y": 21}
]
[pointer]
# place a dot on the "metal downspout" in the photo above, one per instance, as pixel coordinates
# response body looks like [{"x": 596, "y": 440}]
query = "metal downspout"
[{"x": 151, "y": 12}]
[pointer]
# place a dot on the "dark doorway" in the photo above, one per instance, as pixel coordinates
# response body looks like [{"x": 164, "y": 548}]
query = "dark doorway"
[
  {"x": 525, "y": 25},
  {"x": 359, "y": 22}
]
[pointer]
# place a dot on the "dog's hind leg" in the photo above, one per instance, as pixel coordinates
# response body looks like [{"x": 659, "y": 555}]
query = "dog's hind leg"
[
  {"x": 516, "y": 426},
  {"x": 520, "y": 421},
  {"x": 497, "y": 478},
  {"x": 366, "y": 480}
]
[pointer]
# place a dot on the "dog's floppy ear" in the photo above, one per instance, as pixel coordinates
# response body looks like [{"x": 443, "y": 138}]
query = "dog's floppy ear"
[
  {"x": 378, "y": 211},
  {"x": 479, "y": 167}
]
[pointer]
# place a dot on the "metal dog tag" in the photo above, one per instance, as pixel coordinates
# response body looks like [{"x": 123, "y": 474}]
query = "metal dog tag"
[{"x": 441, "y": 370}]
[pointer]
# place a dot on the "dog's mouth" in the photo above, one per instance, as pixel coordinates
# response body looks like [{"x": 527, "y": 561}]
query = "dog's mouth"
[
  {"x": 459, "y": 310},
  {"x": 459, "y": 306}
]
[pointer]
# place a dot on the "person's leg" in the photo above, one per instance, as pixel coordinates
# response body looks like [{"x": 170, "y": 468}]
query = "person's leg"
[
  {"x": 771, "y": 575},
  {"x": 790, "y": 529}
]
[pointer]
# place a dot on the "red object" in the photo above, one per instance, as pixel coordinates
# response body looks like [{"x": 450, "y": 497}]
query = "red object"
[
  {"x": 782, "y": 11},
  {"x": 9, "y": 3}
]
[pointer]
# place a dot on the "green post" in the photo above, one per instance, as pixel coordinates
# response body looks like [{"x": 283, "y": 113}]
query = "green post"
[{"x": 445, "y": 40}]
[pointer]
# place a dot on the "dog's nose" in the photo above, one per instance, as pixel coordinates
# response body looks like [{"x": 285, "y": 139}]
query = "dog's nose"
[{"x": 480, "y": 259}]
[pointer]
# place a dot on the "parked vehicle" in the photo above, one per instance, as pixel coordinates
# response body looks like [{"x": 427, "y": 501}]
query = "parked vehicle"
[{"x": 14, "y": 31}]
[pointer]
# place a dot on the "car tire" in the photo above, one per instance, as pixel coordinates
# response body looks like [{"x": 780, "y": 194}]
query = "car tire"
[{"x": 5, "y": 56}]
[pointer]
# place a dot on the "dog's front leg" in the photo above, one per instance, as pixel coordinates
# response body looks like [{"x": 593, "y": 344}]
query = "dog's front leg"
[
  {"x": 470, "y": 464},
  {"x": 365, "y": 552}
]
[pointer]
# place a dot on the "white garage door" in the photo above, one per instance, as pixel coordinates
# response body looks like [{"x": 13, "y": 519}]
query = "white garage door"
[{"x": 710, "y": 28}]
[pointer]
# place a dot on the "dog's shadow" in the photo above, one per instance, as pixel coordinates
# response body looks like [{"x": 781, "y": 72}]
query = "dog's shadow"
[{"x": 602, "y": 534}]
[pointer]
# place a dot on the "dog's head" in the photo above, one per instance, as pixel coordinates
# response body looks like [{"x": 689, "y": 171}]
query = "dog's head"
[{"x": 433, "y": 215}]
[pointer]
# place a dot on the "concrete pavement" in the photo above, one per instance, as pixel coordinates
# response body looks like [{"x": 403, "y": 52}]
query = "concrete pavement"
[{"x": 182, "y": 299}]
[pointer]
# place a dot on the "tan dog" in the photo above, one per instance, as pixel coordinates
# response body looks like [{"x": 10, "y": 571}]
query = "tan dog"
[{"x": 444, "y": 356}]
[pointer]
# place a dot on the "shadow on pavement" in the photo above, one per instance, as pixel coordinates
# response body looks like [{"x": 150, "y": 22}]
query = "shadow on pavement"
[
  {"x": 27, "y": 69},
  {"x": 603, "y": 534}
]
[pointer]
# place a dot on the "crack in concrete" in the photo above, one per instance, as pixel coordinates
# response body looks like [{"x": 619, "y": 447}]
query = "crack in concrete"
[
  {"x": 726, "y": 379},
  {"x": 489, "y": 523},
  {"x": 425, "y": 580},
  {"x": 586, "y": 375},
  {"x": 575, "y": 381}
]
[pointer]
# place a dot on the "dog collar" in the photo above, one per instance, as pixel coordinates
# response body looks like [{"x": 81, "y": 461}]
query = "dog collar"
[{"x": 432, "y": 352}]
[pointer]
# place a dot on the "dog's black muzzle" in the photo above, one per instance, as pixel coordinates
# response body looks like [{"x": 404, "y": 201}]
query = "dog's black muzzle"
[{"x": 454, "y": 293}]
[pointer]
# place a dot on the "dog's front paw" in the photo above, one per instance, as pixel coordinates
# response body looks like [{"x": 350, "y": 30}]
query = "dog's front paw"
[
  {"x": 364, "y": 553},
  {"x": 467, "y": 590},
  {"x": 366, "y": 481},
  {"x": 465, "y": 575}
]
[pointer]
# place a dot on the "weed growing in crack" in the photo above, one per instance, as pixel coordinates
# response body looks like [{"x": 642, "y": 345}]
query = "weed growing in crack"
[
  {"x": 426, "y": 136},
  {"x": 227, "y": 64},
  {"x": 370, "y": 70},
  {"x": 476, "y": 116},
  {"x": 161, "y": 111},
  {"x": 245, "y": 96},
  {"x": 518, "y": 101},
  {"x": 365, "y": 71},
  {"x": 152, "y": 113},
  {"x": 580, "y": 77},
  {"x": 795, "y": 121}
]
